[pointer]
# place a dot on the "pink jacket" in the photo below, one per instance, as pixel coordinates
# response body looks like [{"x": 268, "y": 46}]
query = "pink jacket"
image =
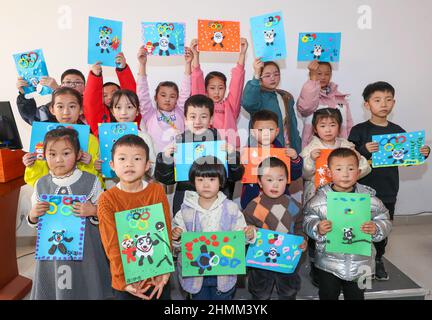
[
  {"x": 226, "y": 112},
  {"x": 161, "y": 132},
  {"x": 313, "y": 98}
]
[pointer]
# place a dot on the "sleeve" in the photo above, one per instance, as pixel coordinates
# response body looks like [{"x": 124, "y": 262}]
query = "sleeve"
[
  {"x": 358, "y": 137},
  {"x": 198, "y": 84},
  {"x": 311, "y": 220},
  {"x": 298, "y": 224},
  {"x": 248, "y": 213},
  {"x": 381, "y": 218},
  {"x": 251, "y": 100},
  {"x": 349, "y": 119},
  {"x": 35, "y": 172},
  {"x": 185, "y": 93},
  {"x": 126, "y": 79},
  {"x": 152, "y": 155},
  {"x": 236, "y": 89},
  {"x": 27, "y": 109},
  {"x": 235, "y": 168},
  {"x": 308, "y": 163},
  {"x": 308, "y": 100},
  {"x": 296, "y": 168},
  {"x": 164, "y": 172},
  {"x": 146, "y": 106},
  {"x": 178, "y": 222},
  {"x": 98, "y": 191},
  {"x": 164, "y": 200},
  {"x": 294, "y": 133},
  {"x": 33, "y": 201},
  {"x": 94, "y": 152},
  {"x": 94, "y": 109}
]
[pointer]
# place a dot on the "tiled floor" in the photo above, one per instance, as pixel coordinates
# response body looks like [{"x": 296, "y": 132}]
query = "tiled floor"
[{"x": 410, "y": 249}]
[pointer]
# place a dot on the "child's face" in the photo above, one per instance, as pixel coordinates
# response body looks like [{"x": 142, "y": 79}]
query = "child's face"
[
  {"x": 66, "y": 108},
  {"x": 166, "y": 99},
  {"x": 108, "y": 92},
  {"x": 130, "y": 163},
  {"x": 207, "y": 187},
  {"x": 270, "y": 77},
  {"x": 198, "y": 119},
  {"x": 265, "y": 132},
  {"x": 380, "y": 103},
  {"x": 124, "y": 110},
  {"x": 216, "y": 89},
  {"x": 273, "y": 182},
  {"x": 74, "y": 81},
  {"x": 61, "y": 157},
  {"x": 324, "y": 74},
  {"x": 344, "y": 173},
  {"x": 327, "y": 130}
]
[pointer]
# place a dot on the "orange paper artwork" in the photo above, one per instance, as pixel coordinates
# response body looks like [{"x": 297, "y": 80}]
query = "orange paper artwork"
[
  {"x": 252, "y": 157},
  {"x": 321, "y": 172},
  {"x": 221, "y": 36}
]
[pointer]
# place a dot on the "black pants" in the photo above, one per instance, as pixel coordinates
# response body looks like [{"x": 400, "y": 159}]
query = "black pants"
[
  {"x": 261, "y": 284},
  {"x": 124, "y": 295},
  {"x": 380, "y": 246},
  {"x": 330, "y": 287}
]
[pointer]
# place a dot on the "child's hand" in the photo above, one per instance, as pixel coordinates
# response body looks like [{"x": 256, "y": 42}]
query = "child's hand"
[
  {"x": 372, "y": 147},
  {"x": 49, "y": 82},
  {"x": 369, "y": 228},
  {"x": 290, "y": 152},
  {"x": 243, "y": 45},
  {"x": 120, "y": 61},
  {"x": 189, "y": 55},
  {"x": 159, "y": 283},
  {"x": 97, "y": 69},
  {"x": 313, "y": 68},
  {"x": 170, "y": 150},
  {"x": 98, "y": 165},
  {"x": 324, "y": 227},
  {"x": 315, "y": 154},
  {"x": 85, "y": 158},
  {"x": 136, "y": 289},
  {"x": 38, "y": 210},
  {"x": 29, "y": 159},
  {"x": 249, "y": 232},
  {"x": 142, "y": 55},
  {"x": 86, "y": 209},
  {"x": 425, "y": 151},
  {"x": 303, "y": 246},
  {"x": 21, "y": 83},
  {"x": 194, "y": 47},
  {"x": 258, "y": 65},
  {"x": 229, "y": 148},
  {"x": 176, "y": 233}
]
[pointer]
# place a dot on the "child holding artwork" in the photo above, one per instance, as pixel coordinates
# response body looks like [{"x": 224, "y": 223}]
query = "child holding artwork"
[
  {"x": 379, "y": 100},
  {"x": 264, "y": 130},
  {"x": 337, "y": 271},
  {"x": 97, "y": 95},
  {"x": 130, "y": 163},
  {"x": 208, "y": 210},
  {"x": 28, "y": 109},
  {"x": 227, "y": 110},
  {"x": 198, "y": 113},
  {"x": 88, "y": 279},
  {"x": 319, "y": 92},
  {"x": 262, "y": 93},
  {"x": 66, "y": 106},
  {"x": 264, "y": 212},
  {"x": 165, "y": 121},
  {"x": 124, "y": 107}
]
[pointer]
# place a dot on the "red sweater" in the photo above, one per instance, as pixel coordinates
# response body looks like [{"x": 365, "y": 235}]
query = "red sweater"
[{"x": 94, "y": 109}]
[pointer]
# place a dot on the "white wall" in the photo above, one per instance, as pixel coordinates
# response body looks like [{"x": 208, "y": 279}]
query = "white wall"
[{"x": 396, "y": 49}]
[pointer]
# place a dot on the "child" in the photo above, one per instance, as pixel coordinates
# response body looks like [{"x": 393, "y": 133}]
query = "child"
[
  {"x": 27, "y": 108},
  {"x": 264, "y": 212},
  {"x": 165, "y": 121},
  {"x": 319, "y": 92},
  {"x": 326, "y": 125},
  {"x": 97, "y": 96},
  {"x": 198, "y": 114},
  {"x": 226, "y": 110},
  {"x": 208, "y": 210},
  {"x": 264, "y": 124},
  {"x": 89, "y": 279},
  {"x": 130, "y": 163},
  {"x": 66, "y": 106},
  {"x": 379, "y": 100},
  {"x": 338, "y": 271},
  {"x": 124, "y": 108},
  {"x": 261, "y": 93}
]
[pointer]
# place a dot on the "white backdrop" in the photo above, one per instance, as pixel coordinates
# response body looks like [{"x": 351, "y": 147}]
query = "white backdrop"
[{"x": 396, "y": 48}]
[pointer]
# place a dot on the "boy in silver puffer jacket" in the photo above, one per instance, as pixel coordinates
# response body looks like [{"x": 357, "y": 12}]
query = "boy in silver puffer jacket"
[{"x": 342, "y": 271}]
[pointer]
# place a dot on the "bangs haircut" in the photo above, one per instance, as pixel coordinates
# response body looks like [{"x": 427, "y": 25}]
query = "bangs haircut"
[
  {"x": 62, "y": 133},
  {"x": 130, "y": 140},
  {"x": 130, "y": 95},
  {"x": 208, "y": 167}
]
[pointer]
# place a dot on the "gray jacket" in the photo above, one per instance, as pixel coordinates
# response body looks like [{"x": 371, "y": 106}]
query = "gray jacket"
[{"x": 347, "y": 267}]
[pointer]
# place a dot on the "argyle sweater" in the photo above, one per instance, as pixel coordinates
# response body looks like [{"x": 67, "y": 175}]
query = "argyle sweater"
[{"x": 282, "y": 214}]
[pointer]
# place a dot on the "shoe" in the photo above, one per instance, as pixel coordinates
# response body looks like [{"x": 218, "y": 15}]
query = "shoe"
[
  {"x": 314, "y": 275},
  {"x": 380, "y": 272}
]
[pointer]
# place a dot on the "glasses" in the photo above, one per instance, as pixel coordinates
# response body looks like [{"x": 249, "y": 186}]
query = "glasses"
[
  {"x": 73, "y": 83},
  {"x": 271, "y": 75}
]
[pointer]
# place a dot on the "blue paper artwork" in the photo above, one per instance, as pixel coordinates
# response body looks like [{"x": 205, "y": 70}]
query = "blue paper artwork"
[
  {"x": 163, "y": 38},
  {"x": 319, "y": 46}
]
